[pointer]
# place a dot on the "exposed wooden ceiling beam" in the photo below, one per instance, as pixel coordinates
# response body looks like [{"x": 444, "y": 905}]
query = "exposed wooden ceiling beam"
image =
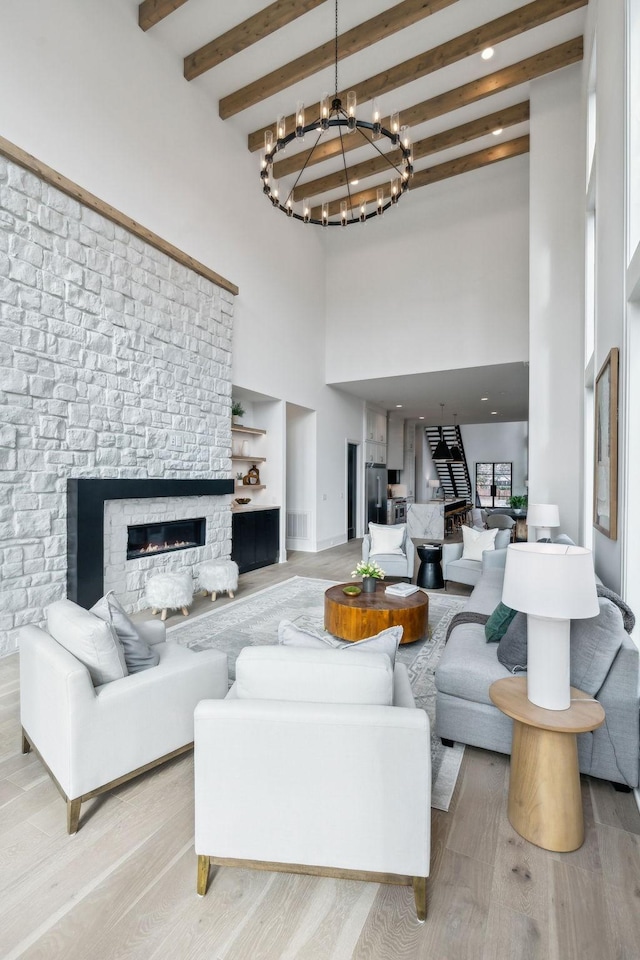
[
  {"x": 489, "y": 34},
  {"x": 377, "y": 28},
  {"x": 537, "y": 66},
  {"x": 442, "y": 171},
  {"x": 423, "y": 148},
  {"x": 151, "y": 12},
  {"x": 260, "y": 25}
]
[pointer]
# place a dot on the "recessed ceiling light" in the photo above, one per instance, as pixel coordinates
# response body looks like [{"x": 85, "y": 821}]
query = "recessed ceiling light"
[
  {"x": 497, "y": 131},
  {"x": 487, "y": 53},
  {"x": 398, "y": 406},
  {"x": 494, "y": 413},
  {"x": 484, "y": 398},
  {"x": 420, "y": 418},
  {"x": 353, "y": 183}
]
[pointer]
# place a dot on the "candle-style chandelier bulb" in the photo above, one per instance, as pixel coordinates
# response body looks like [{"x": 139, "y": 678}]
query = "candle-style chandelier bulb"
[{"x": 351, "y": 111}]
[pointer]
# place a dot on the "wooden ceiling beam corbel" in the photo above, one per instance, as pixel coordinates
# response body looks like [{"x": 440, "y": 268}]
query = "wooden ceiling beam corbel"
[
  {"x": 352, "y": 41},
  {"x": 525, "y": 70},
  {"x": 442, "y": 171},
  {"x": 459, "y": 48},
  {"x": 261, "y": 24},
  {"x": 519, "y": 113},
  {"x": 151, "y": 12}
]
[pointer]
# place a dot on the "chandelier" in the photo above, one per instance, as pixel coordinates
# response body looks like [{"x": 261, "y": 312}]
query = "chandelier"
[{"x": 333, "y": 115}]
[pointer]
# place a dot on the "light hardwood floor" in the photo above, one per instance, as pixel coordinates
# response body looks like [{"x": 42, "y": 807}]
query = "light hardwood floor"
[{"x": 124, "y": 886}]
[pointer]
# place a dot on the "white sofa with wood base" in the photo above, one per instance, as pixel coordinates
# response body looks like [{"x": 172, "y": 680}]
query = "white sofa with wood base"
[{"x": 319, "y": 762}]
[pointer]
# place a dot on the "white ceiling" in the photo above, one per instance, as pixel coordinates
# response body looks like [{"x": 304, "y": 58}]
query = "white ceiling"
[
  {"x": 197, "y": 22},
  {"x": 506, "y": 387}
]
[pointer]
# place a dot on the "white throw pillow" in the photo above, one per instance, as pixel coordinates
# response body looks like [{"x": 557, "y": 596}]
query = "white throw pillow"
[
  {"x": 313, "y": 676},
  {"x": 91, "y": 640},
  {"x": 387, "y": 641},
  {"x": 387, "y": 538},
  {"x": 475, "y": 541}
]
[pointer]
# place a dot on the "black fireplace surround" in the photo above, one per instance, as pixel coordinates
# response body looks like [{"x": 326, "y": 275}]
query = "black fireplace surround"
[{"x": 85, "y": 523}]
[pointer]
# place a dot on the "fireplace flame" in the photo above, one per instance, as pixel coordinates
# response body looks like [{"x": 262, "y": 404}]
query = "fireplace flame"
[{"x": 156, "y": 547}]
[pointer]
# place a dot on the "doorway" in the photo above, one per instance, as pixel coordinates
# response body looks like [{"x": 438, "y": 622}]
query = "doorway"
[{"x": 352, "y": 489}]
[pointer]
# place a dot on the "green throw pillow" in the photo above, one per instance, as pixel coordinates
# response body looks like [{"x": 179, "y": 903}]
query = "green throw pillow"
[{"x": 497, "y": 624}]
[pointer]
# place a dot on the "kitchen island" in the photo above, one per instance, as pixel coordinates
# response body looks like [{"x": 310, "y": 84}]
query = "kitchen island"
[{"x": 427, "y": 520}]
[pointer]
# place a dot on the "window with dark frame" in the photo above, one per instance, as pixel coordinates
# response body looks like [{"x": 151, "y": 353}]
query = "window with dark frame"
[{"x": 493, "y": 484}]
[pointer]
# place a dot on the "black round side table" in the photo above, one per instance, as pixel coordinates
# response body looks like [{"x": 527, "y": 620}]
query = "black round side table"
[{"x": 430, "y": 572}]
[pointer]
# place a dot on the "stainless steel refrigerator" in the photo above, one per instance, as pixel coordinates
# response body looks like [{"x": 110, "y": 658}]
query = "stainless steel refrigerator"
[{"x": 376, "y": 492}]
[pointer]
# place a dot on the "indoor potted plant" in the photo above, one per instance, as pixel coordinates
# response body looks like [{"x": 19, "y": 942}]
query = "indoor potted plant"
[
  {"x": 518, "y": 503},
  {"x": 370, "y": 573},
  {"x": 237, "y": 411}
]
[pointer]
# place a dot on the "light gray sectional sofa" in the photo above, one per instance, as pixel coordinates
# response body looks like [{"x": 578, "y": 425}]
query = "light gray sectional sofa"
[{"x": 469, "y": 665}]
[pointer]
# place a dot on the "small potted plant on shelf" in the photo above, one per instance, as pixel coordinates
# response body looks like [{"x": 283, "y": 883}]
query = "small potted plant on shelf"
[
  {"x": 370, "y": 573},
  {"x": 518, "y": 503},
  {"x": 237, "y": 411}
]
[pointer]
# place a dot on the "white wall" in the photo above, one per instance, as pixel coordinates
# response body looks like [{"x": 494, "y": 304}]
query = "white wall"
[
  {"x": 440, "y": 282},
  {"x": 608, "y": 18},
  {"x": 107, "y": 106},
  {"x": 557, "y": 191}
]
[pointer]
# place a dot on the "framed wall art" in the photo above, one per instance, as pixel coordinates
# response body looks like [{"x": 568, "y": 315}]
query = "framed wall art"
[{"x": 605, "y": 481}]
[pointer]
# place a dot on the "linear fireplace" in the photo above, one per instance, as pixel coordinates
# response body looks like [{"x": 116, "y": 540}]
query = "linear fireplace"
[
  {"x": 87, "y": 502},
  {"x": 155, "y": 538}
]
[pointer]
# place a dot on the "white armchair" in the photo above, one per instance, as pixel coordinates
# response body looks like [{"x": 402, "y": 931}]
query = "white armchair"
[
  {"x": 327, "y": 769},
  {"x": 394, "y": 564},
  {"x": 460, "y": 570},
  {"x": 92, "y": 738}
]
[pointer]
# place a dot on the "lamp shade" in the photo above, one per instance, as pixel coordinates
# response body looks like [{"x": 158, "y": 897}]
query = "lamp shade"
[
  {"x": 442, "y": 451},
  {"x": 434, "y": 484},
  {"x": 550, "y": 580},
  {"x": 543, "y": 515}
]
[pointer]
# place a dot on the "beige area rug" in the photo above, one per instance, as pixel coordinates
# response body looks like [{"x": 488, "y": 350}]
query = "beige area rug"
[{"x": 254, "y": 620}]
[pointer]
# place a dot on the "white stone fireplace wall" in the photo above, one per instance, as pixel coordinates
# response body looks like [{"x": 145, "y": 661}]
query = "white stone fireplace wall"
[
  {"x": 115, "y": 362},
  {"x": 128, "y": 577}
]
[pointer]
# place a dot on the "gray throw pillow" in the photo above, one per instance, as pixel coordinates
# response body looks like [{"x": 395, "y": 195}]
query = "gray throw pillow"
[
  {"x": 594, "y": 645},
  {"x": 138, "y": 654},
  {"x": 628, "y": 616},
  {"x": 512, "y": 649},
  {"x": 595, "y": 642},
  {"x": 386, "y": 641}
]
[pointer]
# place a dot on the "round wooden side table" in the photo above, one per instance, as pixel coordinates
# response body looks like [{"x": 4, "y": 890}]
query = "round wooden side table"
[{"x": 545, "y": 806}]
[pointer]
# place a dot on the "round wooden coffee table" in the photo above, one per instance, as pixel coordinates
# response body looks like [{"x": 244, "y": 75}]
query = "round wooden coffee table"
[{"x": 355, "y": 618}]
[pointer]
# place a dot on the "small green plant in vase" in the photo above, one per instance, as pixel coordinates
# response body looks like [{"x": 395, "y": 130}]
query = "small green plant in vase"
[
  {"x": 237, "y": 410},
  {"x": 370, "y": 572},
  {"x": 518, "y": 503}
]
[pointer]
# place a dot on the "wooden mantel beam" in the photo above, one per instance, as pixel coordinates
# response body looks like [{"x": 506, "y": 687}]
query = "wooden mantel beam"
[
  {"x": 442, "y": 171},
  {"x": 260, "y": 25},
  {"x": 151, "y": 12},
  {"x": 423, "y": 148},
  {"x": 536, "y": 66},
  {"x": 377, "y": 28},
  {"x": 489, "y": 34}
]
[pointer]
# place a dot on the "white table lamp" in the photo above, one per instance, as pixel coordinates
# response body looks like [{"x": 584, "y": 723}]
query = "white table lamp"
[
  {"x": 543, "y": 516},
  {"x": 553, "y": 584}
]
